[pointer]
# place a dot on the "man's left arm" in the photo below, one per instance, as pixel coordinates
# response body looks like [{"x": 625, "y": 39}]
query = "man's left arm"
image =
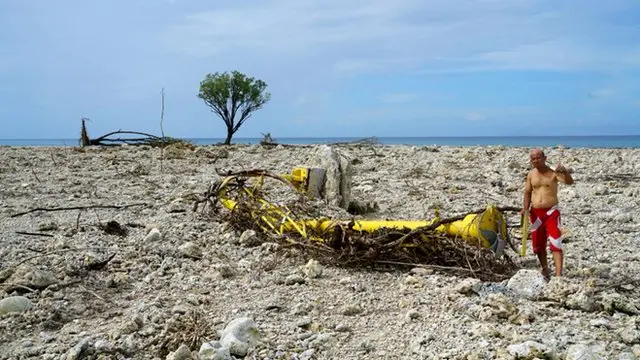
[{"x": 563, "y": 175}]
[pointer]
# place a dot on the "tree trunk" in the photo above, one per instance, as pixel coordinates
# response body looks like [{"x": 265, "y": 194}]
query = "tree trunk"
[{"x": 227, "y": 141}]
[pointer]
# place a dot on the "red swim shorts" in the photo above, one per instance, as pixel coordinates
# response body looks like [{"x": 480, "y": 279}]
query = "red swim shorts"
[{"x": 545, "y": 225}]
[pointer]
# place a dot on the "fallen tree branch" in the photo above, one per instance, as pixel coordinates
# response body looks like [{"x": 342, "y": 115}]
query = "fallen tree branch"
[
  {"x": 78, "y": 208},
  {"x": 146, "y": 139},
  {"x": 56, "y": 252},
  {"x": 33, "y": 234},
  {"x": 13, "y": 287}
]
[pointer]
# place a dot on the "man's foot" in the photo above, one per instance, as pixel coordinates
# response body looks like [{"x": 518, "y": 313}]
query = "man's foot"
[{"x": 545, "y": 273}]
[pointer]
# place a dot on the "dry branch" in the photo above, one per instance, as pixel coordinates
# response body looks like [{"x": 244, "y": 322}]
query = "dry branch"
[
  {"x": 33, "y": 234},
  {"x": 78, "y": 208},
  {"x": 109, "y": 140}
]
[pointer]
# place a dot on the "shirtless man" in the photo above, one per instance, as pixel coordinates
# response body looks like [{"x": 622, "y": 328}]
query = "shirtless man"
[{"x": 541, "y": 199}]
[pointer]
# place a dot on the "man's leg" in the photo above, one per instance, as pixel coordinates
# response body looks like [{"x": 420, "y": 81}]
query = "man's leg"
[
  {"x": 557, "y": 261},
  {"x": 542, "y": 257},
  {"x": 555, "y": 240},
  {"x": 539, "y": 244}
]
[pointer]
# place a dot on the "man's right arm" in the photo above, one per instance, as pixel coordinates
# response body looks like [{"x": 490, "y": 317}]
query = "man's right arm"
[{"x": 528, "y": 189}]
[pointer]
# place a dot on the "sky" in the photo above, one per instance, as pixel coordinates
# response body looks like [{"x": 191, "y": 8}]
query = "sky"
[{"x": 334, "y": 68}]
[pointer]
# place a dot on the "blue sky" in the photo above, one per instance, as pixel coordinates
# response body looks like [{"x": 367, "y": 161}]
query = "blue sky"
[{"x": 333, "y": 67}]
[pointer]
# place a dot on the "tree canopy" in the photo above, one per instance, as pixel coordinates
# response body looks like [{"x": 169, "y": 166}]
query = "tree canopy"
[{"x": 233, "y": 97}]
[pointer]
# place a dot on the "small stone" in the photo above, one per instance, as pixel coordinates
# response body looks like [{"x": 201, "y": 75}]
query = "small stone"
[
  {"x": 40, "y": 279},
  {"x": 581, "y": 301},
  {"x": 239, "y": 336},
  {"x": 420, "y": 271},
  {"x": 178, "y": 205},
  {"x": 304, "y": 322},
  {"x": 617, "y": 302},
  {"x": 214, "y": 351},
  {"x": 153, "y": 235},
  {"x": 600, "y": 322},
  {"x": 102, "y": 346},
  {"x": 180, "y": 309},
  {"x": 469, "y": 285},
  {"x": 627, "y": 356},
  {"x": 182, "y": 353},
  {"x": 580, "y": 352},
  {"x": 76, "y": 352},
  {"x": 312, "y": 269},
  {"x": 623, "y": 218},
  {"x": 190, "y": 250},
  {"x": 630, "y": 335},
  {"x": 411, "y": 280},
  {"x": 224, "y": 271},
  {"x": 351, "y": 310},
  {"x": 249, "y": 239},
  {"x": 528, "y": 284},
  {"x": 14, "y": 304},
  {"x": 306, "y": 355},
  {"x": 530, "y": 350},
  {"x": 294, "y": 279}
]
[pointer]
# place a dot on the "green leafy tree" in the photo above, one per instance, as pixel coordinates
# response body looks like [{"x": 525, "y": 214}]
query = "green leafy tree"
[{"x": 234, "y": 97}]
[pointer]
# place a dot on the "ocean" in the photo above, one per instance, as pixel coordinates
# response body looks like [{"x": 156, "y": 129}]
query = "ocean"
[{"x": 608, "y": 141}]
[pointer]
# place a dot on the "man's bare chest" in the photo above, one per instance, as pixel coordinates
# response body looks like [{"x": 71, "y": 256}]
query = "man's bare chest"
[{"x": 543, "y": 180}]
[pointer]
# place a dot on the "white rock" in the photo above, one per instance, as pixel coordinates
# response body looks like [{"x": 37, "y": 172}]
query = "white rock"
[
  {"x": 240, "y": 336},
  {"x": 623, "y": 218},
  {"x": 306, "y": 355},
  {"x": 627, "y": 356},
  {"x": 14, "y": 304},
  {"x": 178, "y": 205},
  {"x": 249, "y": 238},
  {"x": 40, "y": 279},
  {"x": 182, "y": 353},
  {"x": 411, "y": 280},
  {"x": 312, "y": 269},
  {"x": 601, "y": 190},
  {"x": 75, "y": 352},
  {"x": 214, "y": 351},
  {"x": 527, "y": 283},
  {"x": 294, "y": 279},
  {"x": 153, "y": 235},
  {"x": 529, "y": 350},
  {"x": 581, "y": 301},
  {"x": 351, "y": 310},
  {"x": 468, "y": 285},
  {"x": 580, "y": 352},
  {"x": 191, "y": 250}
]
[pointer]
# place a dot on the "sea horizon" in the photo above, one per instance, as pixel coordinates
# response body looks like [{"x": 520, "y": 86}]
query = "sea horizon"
[{"x": 569, "y": 141}]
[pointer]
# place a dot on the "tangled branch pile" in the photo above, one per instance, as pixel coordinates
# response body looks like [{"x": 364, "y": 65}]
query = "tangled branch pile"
[
  {"x": 126, "y": 137},
  {"x": 341, "y": 245}
]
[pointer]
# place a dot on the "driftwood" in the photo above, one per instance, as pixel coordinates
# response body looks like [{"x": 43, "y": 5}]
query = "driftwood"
[
  {"x": 115, "y": 138},
  {"x": 33, "y": 234},
  {"x": 77, "y": 208}
]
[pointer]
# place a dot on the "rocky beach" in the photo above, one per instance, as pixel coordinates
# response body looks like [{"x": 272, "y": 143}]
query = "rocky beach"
[{"x": 140, "y": 275}]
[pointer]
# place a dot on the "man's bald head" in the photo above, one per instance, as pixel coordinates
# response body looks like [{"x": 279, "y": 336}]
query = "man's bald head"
[
  {"x": 537, "y": 152},
  {"x": 538, "y": 158}
]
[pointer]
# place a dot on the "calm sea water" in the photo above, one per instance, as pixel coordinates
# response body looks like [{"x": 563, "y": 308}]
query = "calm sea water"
[{"x": 614, "y": 141}]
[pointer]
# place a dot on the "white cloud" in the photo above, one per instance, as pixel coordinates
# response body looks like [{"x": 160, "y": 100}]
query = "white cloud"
[
  {"x": 601, "y": 93},
  {"x": 332, "y": 36},
  {"x": 475, "y": 116}
]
